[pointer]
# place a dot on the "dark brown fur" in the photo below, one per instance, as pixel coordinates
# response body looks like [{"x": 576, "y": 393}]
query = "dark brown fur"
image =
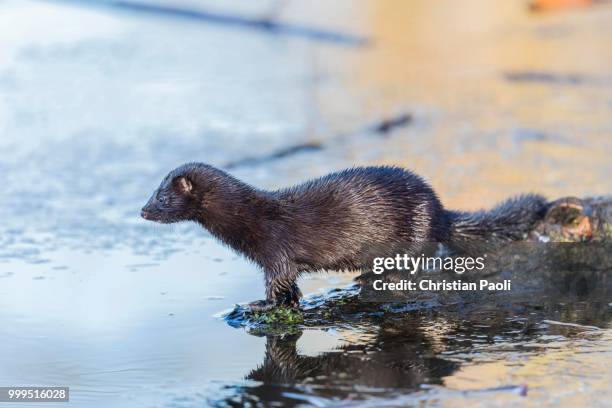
[{"x": 324, "y": 224}]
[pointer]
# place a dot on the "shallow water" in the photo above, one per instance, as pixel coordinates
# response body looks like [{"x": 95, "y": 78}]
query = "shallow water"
[{"x": 96, "y": 106}]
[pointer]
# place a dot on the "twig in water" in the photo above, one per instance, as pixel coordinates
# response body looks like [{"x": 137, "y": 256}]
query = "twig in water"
[{"x": 262, "y": 24}]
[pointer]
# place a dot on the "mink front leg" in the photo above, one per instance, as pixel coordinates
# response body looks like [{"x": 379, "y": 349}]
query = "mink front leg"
[{"x": 281, "y": 289}]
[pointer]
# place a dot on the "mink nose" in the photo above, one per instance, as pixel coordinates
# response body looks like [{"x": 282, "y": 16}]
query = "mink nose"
[{"x": 144, "y": 214}]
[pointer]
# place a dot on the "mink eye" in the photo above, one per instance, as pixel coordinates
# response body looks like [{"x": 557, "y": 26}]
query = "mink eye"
[{"x": 163, "y": 199}]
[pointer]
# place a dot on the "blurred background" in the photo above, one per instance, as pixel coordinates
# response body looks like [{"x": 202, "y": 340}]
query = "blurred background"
[{"x": 99, "y": 100}]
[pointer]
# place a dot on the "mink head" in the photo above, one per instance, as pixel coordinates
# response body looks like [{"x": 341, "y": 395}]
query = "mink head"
[{"x": 179, "y": 195}]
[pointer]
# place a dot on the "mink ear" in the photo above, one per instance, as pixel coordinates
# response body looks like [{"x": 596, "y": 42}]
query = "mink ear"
[{"x": 184, "y": 185}]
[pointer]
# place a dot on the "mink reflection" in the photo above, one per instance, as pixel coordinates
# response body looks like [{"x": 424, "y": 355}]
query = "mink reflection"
[{"x": 405, "y": 349}]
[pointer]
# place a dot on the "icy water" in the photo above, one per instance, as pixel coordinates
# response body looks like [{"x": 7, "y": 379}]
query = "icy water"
[{"x": 96, "y": 106}]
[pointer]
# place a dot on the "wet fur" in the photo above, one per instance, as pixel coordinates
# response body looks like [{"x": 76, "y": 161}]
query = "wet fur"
[{"x": 325, "y": 223}]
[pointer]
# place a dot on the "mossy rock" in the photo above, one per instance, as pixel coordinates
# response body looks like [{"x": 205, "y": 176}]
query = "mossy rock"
[
  {"x": 279, "y": 319},
  {"x": 278, "y": 315}
]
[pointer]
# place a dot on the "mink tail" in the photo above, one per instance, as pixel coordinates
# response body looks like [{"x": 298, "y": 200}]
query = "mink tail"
[{"x": 510, "y": 220}]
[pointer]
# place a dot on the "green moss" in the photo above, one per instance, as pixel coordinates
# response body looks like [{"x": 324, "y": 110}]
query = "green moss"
[{"x": 279, "y": 315}]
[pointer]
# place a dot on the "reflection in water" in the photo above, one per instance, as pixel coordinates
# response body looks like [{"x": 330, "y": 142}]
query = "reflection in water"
[
  {"x": 390, "y": 352},
  {"x": 398, "y": 360},
  {"x": 405, "y": 353}
]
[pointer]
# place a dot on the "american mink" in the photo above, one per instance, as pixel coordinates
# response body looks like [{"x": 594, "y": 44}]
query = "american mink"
[{"x": 324, "y": 224}]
